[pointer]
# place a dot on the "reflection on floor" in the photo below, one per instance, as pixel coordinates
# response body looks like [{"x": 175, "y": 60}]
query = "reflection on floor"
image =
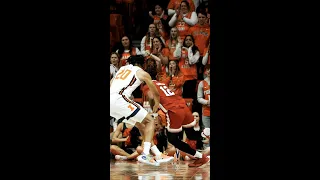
[{"x": 128, "y": 170}]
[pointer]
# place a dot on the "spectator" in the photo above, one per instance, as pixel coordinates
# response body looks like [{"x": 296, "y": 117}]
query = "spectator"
[
  {"x": 172, "y": 42},
  {"x": 130, "y": 141},
  {"x": 175, "y": 4},
  {"x": 126, "y": 50},
  {"x": 160, "y": 54},
  {"x": 204, "y": 98},
  {"x": 114, "y": 64},
  {"x": 174, "y": 78},
  {"x": 183, "y": 19},
  {"x": 201, "y": 32},
  {"x": 189, "y": 56},
  {"x": 204, "y": 8},
  {"x": 195, "y": 144},
  {"x": 160, "y": 19},
  {"x": 146, "y": 41}
]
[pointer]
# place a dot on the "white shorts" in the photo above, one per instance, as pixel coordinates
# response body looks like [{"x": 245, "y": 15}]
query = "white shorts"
[{"x": 123, "y": 107}]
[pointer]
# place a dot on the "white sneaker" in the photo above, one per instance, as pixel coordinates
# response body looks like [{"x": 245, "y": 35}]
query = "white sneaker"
[
  {"x": 163, "y": 158},
  {"x": 118, "y": 157},
  {"x": 148, "y": 159}
]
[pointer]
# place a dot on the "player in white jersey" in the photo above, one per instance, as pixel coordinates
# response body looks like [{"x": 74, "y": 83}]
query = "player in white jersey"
[{"x": 127, "y": 79}]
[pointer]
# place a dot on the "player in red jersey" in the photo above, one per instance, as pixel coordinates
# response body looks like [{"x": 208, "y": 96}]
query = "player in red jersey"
[{"x": 178, "y": 116}]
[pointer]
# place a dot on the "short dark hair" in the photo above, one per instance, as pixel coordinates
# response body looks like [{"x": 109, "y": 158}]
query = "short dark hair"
[{"x": 137, "y": 59}]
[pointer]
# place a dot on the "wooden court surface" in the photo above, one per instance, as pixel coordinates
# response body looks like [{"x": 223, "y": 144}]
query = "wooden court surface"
[{"x": 128, "y": 170}]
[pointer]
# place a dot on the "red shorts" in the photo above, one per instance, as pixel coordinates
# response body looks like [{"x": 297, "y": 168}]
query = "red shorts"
[{"x": 178, "y": 117}]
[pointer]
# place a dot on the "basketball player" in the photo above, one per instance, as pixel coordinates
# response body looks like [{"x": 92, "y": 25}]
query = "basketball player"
[
  {"x": 127, "y": 79},
  {"x": 178, "y": 116}
]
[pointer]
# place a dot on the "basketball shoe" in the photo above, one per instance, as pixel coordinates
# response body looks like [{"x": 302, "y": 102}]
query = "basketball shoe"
[{"x": 148, "y": 159}]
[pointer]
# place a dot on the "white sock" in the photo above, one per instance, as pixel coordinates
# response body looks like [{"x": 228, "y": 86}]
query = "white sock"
[
  {"x": 198, "y": 155},
  {"x": 146, "y": 148},
  {"x": 155, "y": 150}
]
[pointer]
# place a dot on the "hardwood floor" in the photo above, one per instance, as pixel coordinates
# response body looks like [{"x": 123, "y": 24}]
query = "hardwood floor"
[{"x": 128, "y": 170}]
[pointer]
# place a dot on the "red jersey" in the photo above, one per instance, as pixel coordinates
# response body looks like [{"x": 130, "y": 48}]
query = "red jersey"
[{"x": 168, "y": 99}]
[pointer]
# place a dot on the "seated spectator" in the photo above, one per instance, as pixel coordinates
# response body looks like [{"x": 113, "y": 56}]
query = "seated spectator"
[
  {"x": 195, "y": 144},
  {"x": 146, "y": 41},
  {"x": 160, "y": 54},
  {"x": 126, "y": 50},
  {"x": 183, "y": 19},
  {"x": 175, "y": 4},
  {"x": 204, "y": 98},
  {"x": 189, "y": 56},
  {"x": 206, "y": 135},
  {"x": 174, "y": 78},
  {"x": 130, "y": 141},
  {"x": 114, "y": 64},
  {"x": 160, "y": 19},
  {"x": 172, "y": 42}
]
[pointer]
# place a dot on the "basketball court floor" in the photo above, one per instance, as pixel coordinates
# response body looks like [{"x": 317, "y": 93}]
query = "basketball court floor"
[{"x": 132, "y": 170}]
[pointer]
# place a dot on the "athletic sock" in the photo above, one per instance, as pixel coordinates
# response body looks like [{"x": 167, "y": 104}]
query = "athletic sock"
[
  {"x": 198, "y": 155},
  {"x": 146, "y": 148},
  {"x": 155, "y": 150}
]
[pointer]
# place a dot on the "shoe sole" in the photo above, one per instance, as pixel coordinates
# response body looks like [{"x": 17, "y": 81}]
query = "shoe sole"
[
  {"x": 162, "y": 161},
  {"x": 149, "y": 163}
]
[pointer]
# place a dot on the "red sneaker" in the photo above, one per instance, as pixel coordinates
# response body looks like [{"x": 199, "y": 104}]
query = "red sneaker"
[{"x": 199, "y": 162}]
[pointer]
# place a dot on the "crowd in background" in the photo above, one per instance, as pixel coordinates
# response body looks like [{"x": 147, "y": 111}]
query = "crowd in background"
[{"x": 175, "y": 36}]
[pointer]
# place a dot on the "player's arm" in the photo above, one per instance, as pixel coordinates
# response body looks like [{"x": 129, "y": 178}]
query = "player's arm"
[
  {"x": 144, "y": 76},
  {"x": 115, "y": 138},
  {"x": 111, "y": 81}
]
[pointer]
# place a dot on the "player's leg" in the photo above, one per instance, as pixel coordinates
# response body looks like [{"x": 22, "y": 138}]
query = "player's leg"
[
  {"x": 144, "y": 122},
  {"x": 159, "y": 156}
]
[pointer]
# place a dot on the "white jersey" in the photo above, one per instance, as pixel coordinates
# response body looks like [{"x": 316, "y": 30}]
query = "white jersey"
[{"x": 125, "y": 81}]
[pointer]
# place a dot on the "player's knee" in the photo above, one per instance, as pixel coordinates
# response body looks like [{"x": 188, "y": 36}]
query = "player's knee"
[{"x": 139, "y": 149}]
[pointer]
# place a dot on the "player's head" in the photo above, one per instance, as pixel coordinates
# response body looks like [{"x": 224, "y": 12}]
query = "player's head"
[
  {"x": 151, "y": 68},
  {"x": 137, "y": 60}
]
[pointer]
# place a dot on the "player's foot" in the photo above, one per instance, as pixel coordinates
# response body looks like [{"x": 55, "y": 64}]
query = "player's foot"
[
  {"x": 163, "y": 158},
  {"x": 118, "y": 157},
  {"x": 200, "y": 161},
  {"x": 148, "y": 159}
]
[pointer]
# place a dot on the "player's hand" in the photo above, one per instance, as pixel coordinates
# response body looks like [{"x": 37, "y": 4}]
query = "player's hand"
[{"x": 156, "y": 107}]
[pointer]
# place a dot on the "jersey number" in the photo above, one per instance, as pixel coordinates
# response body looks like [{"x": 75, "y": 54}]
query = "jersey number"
[
  {"x": 166, "y": 91},
  {"x": 123, "y": 74}
]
